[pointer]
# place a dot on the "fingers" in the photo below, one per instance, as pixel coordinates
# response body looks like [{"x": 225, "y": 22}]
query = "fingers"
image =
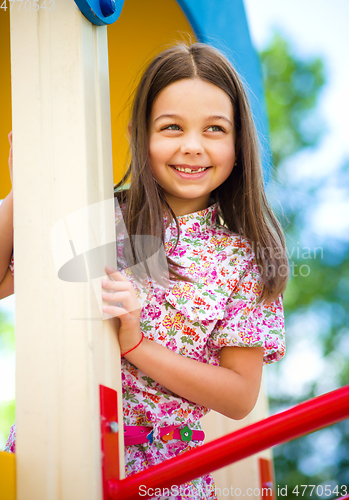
[
  {"x": 115, "y": 274},
  {"x": 116, "y": 297},
  {"x": 114, "y": 311},
  {"x": 118, "y": 291},
  {"x": 10, "y": 138}
]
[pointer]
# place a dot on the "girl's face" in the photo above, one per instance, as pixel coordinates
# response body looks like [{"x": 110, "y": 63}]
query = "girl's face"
[{"x": 191, "y": 127}]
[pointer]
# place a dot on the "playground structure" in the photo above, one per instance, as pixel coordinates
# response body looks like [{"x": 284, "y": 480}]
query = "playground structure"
[
  {"x": 298, "y": 421},
  {"x": 66, "y": 93}
]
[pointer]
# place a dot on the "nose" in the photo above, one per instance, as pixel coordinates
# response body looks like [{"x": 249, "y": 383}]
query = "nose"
[{"x": 192, "y": 144}]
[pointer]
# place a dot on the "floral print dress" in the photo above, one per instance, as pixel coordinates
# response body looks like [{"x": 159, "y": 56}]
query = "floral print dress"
[{"x": 195, "y": 320}]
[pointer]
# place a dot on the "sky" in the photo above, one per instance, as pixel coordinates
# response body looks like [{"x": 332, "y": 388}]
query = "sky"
[{"x": 314, "y": 28}]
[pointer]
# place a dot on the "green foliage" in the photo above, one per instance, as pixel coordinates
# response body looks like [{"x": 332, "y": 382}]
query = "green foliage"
[
  {"x": 292, "y": 88},
  {"x": 325, "y": 293},
  {"x": 7, "y": 418},
  {"x": 306, "y": 451},
  {"x": 7, "y": 346}
]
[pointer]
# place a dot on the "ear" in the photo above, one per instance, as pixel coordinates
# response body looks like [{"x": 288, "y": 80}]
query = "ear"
[{"x": 129, "y": 128}]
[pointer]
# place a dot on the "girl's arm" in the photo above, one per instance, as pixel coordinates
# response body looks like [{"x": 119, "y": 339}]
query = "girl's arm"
[
  {"x": 231, "y": 388},
  {"x": 6, "y": 237},
  {"x": 6, "y": 234},
  {"x": 7, "y": 285}
]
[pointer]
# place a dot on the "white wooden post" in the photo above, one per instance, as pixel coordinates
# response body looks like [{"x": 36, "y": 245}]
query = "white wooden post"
[{"x": 62, "y": 163}]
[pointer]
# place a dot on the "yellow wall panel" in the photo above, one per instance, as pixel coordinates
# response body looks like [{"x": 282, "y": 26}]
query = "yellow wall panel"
[
  {"x": 7, "y": 476},
  {"x": 5, "y": 102}
]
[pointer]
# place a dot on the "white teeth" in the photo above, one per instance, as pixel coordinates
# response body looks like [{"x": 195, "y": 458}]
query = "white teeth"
[{"x": 189, "y": 171}]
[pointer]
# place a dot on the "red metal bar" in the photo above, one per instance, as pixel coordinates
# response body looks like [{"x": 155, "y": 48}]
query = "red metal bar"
[
  {"x": 109, "y": 436},
  {"x": 266, "y": 472},
  {"x": 302, "y": 419}
]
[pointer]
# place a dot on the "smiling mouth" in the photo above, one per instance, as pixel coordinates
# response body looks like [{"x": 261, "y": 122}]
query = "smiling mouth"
[{"x": 188, "y": 170}]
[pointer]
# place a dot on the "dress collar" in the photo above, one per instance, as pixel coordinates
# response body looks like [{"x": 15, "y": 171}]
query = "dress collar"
[{"x": 197, "y": 222}]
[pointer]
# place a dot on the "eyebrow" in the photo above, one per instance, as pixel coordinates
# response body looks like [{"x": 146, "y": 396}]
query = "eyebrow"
[
  {"x": 176, "y": 117},
  {"x": 220, "y": 117},
  {"x": 166, "y": 116}
]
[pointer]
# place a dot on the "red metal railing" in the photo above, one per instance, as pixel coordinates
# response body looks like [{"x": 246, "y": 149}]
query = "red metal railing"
[{"x": 285, "y": 426}]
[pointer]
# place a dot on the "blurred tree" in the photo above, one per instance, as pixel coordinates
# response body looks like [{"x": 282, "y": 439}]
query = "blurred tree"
[
  {"x": 293, "y": 87},
  {"x": 7, "y": 347}
]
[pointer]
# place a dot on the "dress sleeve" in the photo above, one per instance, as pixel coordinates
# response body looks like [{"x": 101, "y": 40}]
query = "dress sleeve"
[{"x": 247, "y": 323}]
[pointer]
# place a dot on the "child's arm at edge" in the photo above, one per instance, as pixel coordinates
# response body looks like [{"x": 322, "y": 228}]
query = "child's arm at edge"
[
  {"x": 231, "y": 388},
  {"x": 7, "y": 285},
  {"x": 6, "y": 235}
]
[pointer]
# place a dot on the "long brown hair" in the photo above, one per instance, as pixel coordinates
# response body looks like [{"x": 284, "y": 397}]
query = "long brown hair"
[{"x": 242, "y": 203}]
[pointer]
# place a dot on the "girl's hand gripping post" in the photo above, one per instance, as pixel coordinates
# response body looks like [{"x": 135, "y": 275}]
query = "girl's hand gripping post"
[{"x": 125, "y": 308}]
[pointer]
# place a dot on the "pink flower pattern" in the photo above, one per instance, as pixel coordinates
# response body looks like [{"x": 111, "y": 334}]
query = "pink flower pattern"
[{"x": 197, "y": 320}]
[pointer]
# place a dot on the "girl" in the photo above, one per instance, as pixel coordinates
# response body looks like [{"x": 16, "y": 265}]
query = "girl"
[{"x": 199, "y": 341}]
